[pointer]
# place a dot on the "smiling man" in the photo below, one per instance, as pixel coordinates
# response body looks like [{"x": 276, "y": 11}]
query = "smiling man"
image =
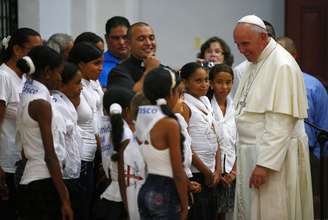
[
  {"x": 274, "y": 179},
  {"x": 131, "y": 72}
]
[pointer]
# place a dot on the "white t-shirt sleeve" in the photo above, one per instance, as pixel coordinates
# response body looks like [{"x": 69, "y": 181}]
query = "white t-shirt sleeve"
[{"x": 5, "y": 91}]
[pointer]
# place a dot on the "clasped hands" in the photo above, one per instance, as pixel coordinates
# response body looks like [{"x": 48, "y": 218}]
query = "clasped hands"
[{"x": 213, "y": 179}]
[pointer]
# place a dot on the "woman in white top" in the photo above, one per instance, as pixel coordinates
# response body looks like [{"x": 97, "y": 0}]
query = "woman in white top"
[
  {"x": 11, "y": 84},
  {"x": 221, "y": 78},
  {"x": 42, "y": 192},
  {"x": 164, "y": 194},
  {"x": 89, "y": 60},
  {"x": 65, "y": 101},
  {"x": 203, "y": 130}
]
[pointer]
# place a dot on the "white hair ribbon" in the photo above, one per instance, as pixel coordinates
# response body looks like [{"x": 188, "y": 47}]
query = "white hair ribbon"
[
  {"x": 115, "y": 109},
  {"x": 30, "y": 63},
  {"x": 5, "y": 42},
  {"x": 161, "y": 101}
]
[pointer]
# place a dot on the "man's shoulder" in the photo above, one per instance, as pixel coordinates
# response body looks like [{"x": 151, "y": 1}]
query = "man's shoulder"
[
  {"x": 310, "y": 78},
  {"x": 281, "y": 62},
  {"x": 109, "y": 57},
  {"x": 120, "y": 69},
  {"x": 312, "y": 83}
]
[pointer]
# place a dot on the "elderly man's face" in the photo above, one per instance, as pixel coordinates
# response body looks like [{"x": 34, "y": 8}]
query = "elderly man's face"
[
  {"x": 249, "y": 42},
  {"x": 142, "y": 42}
]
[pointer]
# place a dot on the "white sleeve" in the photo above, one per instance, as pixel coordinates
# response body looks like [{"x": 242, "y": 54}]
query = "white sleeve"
[
  {"x": 5, "y": 91},
  {"x": 272, "y": 147}
]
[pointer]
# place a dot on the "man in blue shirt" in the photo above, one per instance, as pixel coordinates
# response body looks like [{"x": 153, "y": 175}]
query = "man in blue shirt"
[
  {"x": 116, "y": 39},
  {"x": 317, "y": 101}
]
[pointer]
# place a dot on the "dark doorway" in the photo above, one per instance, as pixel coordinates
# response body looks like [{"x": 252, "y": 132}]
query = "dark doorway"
[
  {"x": 8, "y": 17},
  {"x": 307, "y": 24}
]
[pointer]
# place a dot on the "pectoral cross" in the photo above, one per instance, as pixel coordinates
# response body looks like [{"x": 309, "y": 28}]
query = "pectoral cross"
[{"x": 241, "y": 105}]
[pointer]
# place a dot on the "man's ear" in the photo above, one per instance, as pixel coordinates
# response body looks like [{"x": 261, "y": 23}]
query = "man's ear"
[{"x": 264, "y": 36}]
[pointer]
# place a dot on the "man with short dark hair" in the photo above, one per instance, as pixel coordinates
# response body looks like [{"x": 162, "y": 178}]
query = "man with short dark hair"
[
  {"x": 116, "y": 39},
  {"x": 131, "y": 72}
]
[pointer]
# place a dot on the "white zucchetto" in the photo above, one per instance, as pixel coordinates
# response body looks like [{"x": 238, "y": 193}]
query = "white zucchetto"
[{"x": 253, "y": 19}]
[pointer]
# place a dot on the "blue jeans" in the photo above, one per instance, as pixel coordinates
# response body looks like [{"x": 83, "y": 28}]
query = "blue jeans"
[{"x": 158, "y": 199}]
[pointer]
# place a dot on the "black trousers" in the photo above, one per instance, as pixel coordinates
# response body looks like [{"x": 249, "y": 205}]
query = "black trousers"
[
  {"x": 38, "y": 200},
  {"x": 8, "y": 208}
]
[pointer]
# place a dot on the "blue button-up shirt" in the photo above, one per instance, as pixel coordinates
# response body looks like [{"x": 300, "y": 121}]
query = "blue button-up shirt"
[
  {"x": 109, "y": 63},
  {"x": 317, "y": 112}
]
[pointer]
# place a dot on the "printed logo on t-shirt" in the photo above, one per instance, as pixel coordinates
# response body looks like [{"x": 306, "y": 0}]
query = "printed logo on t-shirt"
[
  {"x": 147, "y": 110},
  {"x": 29, "y": 88}
]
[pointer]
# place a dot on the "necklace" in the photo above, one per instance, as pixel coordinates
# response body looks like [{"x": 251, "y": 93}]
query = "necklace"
[{"x": 247, "y": 86}]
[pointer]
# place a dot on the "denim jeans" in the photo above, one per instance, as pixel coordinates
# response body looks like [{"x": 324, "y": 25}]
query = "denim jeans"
[{"x": 158, "y": 199}]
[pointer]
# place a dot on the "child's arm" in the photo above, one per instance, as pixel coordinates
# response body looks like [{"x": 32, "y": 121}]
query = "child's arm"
[
  {"x": 40, "y": 111},
  {"x": 179, "y": 175},
  {"x": 121, "y": 176},
  {"x": 218, "y": 170},
  {"x": 198, "y": 163}
]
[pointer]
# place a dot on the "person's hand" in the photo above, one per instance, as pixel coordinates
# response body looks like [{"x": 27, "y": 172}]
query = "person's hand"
[
  {"x": 151, "y": 63},
  {"x": 66, "y": 210},
  {"x": 228, "y": 179},
  {"x": 194, "y": 187},
  {"x": 259, "y": 176},
  {"x": 216, "y": 178}
]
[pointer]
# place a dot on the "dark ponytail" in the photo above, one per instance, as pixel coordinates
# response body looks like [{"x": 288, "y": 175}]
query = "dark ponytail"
[
  {"x": 117, "y": 123},
  {"x": 158, "y": 85},
  {"x": 115, "y": 98}
]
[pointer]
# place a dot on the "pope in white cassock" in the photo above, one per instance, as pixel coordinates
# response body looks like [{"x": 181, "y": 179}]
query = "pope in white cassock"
[{"x": 273, "y": 170}]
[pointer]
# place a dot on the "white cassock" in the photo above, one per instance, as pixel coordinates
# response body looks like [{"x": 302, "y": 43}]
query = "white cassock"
[{"x": 270, "y": 107}]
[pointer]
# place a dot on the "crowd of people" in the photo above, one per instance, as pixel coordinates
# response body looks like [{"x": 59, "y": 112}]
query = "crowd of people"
[{"x": 93, "y": 134}]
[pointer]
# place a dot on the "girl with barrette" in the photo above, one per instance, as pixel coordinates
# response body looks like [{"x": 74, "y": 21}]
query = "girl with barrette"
[
  {"x": 113, "y": 203},
  {"x": 221, "y": 80},
  {"x": 88, "y": 58},
  {"x": 202, "y": 127},
  {"x": 164, "y": 194},
  {"x": 11, "y": 83},
  {"x": 67, "y": 138},
  {"x": 42, "y": 192}
]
